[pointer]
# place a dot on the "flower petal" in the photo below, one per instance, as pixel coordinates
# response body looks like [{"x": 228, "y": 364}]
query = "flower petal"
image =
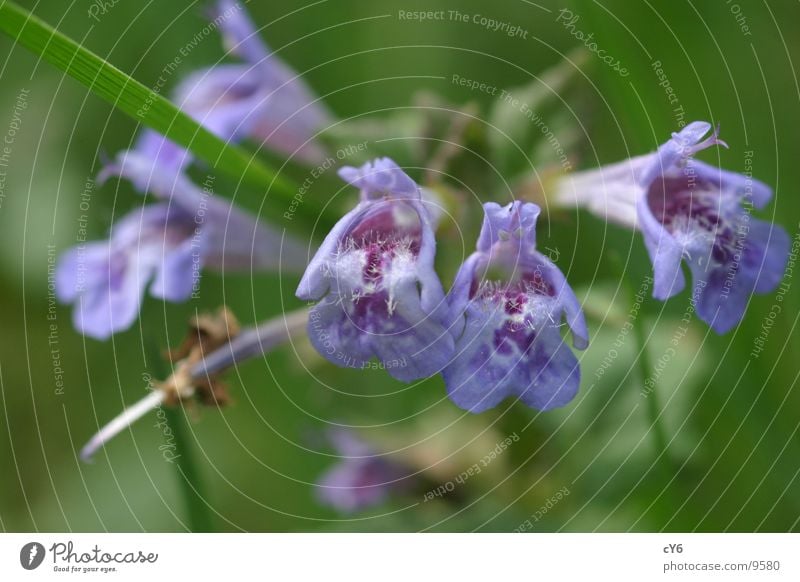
[
  {"x": 106, "y": 280},
  {"x": 723, "y": 291},
  {"x": 178, "y": 273},
  {"x": 766, "y": 254},
  {"x": 380, "y": 177},
  {"x": 239, "y": 35},
  {"x": 492, "y": 364},
  {"x": 112, "y": 303}
]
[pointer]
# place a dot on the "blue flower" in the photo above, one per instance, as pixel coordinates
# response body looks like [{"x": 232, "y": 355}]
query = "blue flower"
[
  {"x": 510, "y": 301},
  {"x": 163, "y": 247},
  {"x": 362, "y": 478},
  {"x": 689, "y": 210},
  {"x": 373, "y": 278}
]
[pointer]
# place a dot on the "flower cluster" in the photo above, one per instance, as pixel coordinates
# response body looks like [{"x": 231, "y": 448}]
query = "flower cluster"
[
  {"x": 495, "y": 335},
  {"x": 503, "y": 330}
]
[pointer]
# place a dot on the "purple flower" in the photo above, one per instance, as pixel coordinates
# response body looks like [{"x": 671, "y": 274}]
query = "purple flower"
[
  {"x": 689, "y": 210},
  {"x": 510, "y": 300},
  {"x": 106, "y": 280},
  {"x": 261, "y": 99},
  {"x": 152, "y": 157},
  {"x": 163, "y": 247},
  {"x": 378, "y": 294},
  {"x": 362, "y": 478},
  {"x": 286, "y": 115}
]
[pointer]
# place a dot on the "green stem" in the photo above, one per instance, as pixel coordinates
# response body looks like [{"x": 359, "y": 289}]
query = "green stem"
[
  {"x": 643, "y": 362},
  {"x": 146, "y": 106},
  {"x": 663, "y": 467},
  {"x": 653, "y": 406},
  {"x": 190, "y": 481},
  {"x": 189, "y": 478}
]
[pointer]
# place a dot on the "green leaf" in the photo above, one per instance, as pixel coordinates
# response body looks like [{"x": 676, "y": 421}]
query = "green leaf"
[{"x": 144, "y": 105}]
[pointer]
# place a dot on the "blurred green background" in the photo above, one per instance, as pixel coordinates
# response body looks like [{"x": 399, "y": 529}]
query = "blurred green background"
[{"x": 734, "y": 455}]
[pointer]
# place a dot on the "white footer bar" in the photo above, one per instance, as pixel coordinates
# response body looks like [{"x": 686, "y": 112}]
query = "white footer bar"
[{"x": 406, "y": 557}]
